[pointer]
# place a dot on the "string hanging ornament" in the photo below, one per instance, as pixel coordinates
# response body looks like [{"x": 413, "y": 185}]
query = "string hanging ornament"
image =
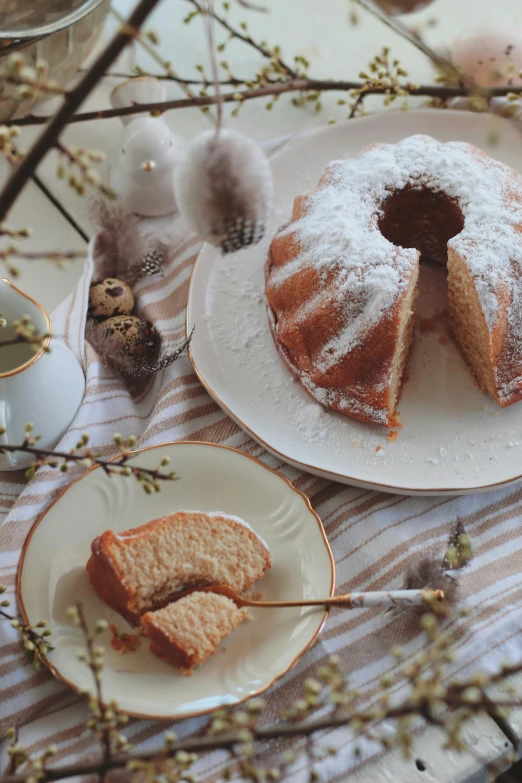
[{"x": 223, "y": 182}]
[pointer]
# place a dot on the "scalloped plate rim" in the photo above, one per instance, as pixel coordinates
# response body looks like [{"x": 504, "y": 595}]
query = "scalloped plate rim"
[
  {"x": 204, "y": 373},
  {"x": 307, "y": 511}
]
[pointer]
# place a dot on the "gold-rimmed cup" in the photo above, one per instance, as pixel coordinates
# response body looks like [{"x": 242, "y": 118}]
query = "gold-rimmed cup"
[{"x": 42, "y": 384}]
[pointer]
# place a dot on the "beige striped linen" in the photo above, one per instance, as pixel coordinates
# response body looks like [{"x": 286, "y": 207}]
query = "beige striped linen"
[{"x": 373, "y": 536}]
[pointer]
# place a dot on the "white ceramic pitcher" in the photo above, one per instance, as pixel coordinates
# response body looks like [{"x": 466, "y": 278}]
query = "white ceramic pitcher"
[{"x": 45, "y": 388}]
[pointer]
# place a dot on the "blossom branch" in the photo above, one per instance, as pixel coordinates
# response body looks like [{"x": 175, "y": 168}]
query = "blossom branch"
[
  {"x": 73, "y": 99},
  {"x": 94, "y": 660},
  {"x": 79, "y": 169},
  {"x": 414, "y": 38},
  {"x": 171, "y": 78},
  {"x": 25, "y": 332},
  {"x": 35, "y": 639},
  {"x": 447, "y": 705},
  {"x": 149, "y": 478},
  {"x": 277, "y": 88},
  {"x": 29, "y": 80},
  {"x": 49, "y": 255},
  {"x": 152, "y": 51},
  {"x": 271, "y": 54},
  {"x": 232, "y": 739},
  {"x": 12, "y": 251}
]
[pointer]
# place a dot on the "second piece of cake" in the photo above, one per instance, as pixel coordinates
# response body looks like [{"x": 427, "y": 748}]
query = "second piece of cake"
[
  {"x": 142, "y": 569},
  {"x": 187, "y": 632}
]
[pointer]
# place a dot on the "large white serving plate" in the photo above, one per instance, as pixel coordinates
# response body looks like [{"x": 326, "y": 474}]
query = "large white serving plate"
[
  {"x": 52, "y": 576},
  {"x": 454, "y": 439}
]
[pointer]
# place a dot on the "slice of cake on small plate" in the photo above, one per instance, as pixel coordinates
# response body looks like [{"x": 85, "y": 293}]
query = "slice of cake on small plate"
[
  {"x": 141, "y": 570},
  {"x": 187, "y": 632}
]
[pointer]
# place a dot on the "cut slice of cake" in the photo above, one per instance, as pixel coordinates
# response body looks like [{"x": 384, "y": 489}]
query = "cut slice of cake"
[
  {"x": 187, "y": 632},
  {"x": 143, "y": 569}
]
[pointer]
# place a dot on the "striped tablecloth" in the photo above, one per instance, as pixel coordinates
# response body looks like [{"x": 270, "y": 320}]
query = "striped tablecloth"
[{"x": 373, "y": 536}]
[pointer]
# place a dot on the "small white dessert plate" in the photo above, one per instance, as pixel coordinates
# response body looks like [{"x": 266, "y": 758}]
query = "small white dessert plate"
[
  {"x": 454, "y": 439},
  {"x": 52, "y": 576}
]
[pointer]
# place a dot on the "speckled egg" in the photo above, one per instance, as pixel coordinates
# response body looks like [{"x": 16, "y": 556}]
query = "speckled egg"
[
  {"x": 129, "y": 335},
  {"x": 110, "y": 297},
  {"x": 491, "y": 54}
]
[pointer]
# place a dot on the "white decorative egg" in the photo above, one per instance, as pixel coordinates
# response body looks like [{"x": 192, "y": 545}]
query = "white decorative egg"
[
  {"x": 142, "y": 167},
  {"x": 491, "y": 54}
]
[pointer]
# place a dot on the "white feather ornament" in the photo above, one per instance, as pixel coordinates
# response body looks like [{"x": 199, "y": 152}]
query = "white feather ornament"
[{"x": 223, "y": 188}]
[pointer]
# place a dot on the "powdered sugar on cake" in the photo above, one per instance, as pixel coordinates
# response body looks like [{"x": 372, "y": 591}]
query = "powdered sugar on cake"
[
  {"x": 339, "y": 231},
  {"x": 340, "y": 225}
]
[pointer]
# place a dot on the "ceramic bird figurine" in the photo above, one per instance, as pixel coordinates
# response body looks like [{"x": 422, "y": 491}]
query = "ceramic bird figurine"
[{"x": 143, "y": 164}]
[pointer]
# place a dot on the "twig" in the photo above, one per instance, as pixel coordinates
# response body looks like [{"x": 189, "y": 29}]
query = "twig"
[
  {"x": 415, "y": 39},
  {"x": 86, "y": 458},
  {"x": 360, "y": 98},
  {"x": 72, "y": 101},
  {"x": 170, "y": 73},
  {"x": 105, "y": 737},
  {"x": 25, "y": 332},
  {"x": 13, "y": 765},
  {"x": 170, "y": 78},
  {"x": 252, "y": 7},
  {"x": 248, "y": 40},
  {"x": 278, "y": 88},
  {"x": 52, "y": 255},
  {"x": 229, "y": 740},
  {"x": 18, "y": 340},
  {"x": 107, "y": 464},
  {"x": 80, "y": 161},
  {"x": 35, "y": 642}
]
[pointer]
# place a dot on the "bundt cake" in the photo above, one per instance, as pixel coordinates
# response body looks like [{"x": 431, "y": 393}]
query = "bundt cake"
[
  {"x": 143, "y": 569},
  {"x": 187, "y": 632},
  {"x": 341, "y": 278}
]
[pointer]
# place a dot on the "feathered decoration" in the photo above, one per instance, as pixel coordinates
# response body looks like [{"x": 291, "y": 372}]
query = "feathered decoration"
[
  {"x": 121, "y": 249},
  {"x": 435, "y": 571},
  {"x": 426, "y": 572},
  {"x": 223, "y": 186},
  {"x": 458, "y": 551},
  {"x": 153, "y": 263}
]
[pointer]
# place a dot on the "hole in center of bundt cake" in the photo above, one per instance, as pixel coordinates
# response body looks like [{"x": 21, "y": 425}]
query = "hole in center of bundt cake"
[{"x": 421, "y": 218}]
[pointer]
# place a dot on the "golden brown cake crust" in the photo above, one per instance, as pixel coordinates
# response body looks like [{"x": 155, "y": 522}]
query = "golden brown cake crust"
[
  {"x": 341, "y": 276},
  {"x": 106, "y": 580},
  {"x": 363, "y": 368},
  {"x": 187, "y": 632},
  {"x": 165, "y": 648}
]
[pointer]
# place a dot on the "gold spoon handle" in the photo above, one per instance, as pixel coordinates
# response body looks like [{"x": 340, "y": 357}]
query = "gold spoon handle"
[
  {"x": 387, "y": 598},
  {"x": 355, "y": 600}
]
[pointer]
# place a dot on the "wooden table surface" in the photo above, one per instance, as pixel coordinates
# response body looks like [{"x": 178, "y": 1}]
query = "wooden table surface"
[{"x": 320, "y": 31}]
